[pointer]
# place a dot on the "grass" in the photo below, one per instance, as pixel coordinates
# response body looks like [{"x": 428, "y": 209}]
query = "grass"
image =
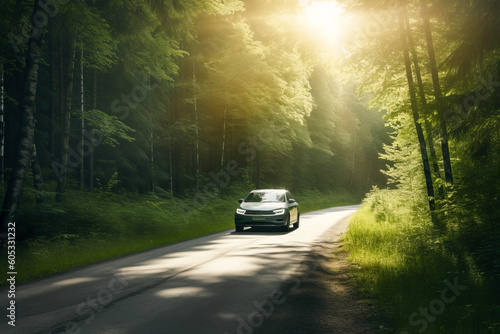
[
  {"x": 404, "y": 267},
  {"x": 314, "y": 200},
  {"x": 91, "y": 227}
]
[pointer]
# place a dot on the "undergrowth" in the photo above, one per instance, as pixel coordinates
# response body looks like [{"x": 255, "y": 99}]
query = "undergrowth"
[{"x": 424, "y": 281}]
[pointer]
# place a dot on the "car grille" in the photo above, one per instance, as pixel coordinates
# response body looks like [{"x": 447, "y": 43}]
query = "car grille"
[{"x": 253, "y": 212}]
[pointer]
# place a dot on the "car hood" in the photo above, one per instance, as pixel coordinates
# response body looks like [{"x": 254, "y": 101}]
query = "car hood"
[{"x": 262, "y": 206}]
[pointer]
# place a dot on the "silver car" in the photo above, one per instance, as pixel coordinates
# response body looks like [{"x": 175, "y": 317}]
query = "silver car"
[{"x": 267, "y": 208}]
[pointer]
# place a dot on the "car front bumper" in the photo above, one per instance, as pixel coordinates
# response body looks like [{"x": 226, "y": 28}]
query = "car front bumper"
[{"x": 260, "y": 220}]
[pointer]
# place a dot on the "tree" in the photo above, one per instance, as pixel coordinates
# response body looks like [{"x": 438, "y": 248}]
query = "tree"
[
  {"x": 423, "y": 100},
  {"x": 437, "y": 93},
  {"x": 326, "y": 137},
  {"x": 2, "y": 125},
  {"x": 81, "y": 24},
  {"x": 16, "y": 183},
  {"x": 414, "y": 108}
]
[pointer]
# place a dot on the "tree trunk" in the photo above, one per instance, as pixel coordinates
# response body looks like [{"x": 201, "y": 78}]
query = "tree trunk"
[
  {"x": 53, "y": 90},
  {"x": 170, "y": 163},
  {"x": 428, "y": 128},
  {"x": 62, "y": 93},
  {"x": 82, "y": 122},
  {"x": 170, "y": 154},
  {"x": 223, "y": 140},
  {"x": 152, "y": 151},
  {"x": 2, "y": 127},
  {"x": 437, "y": 93},
  {"x": 414, "y": 107},
  {"x": 94, "y": 106},
  {"x": 223, "y": 135},
  {"x": 257, "y": 170},
  {"x": 37, "y": 176},
  {"x": 197, "y": 131},
  {"x": 18, "y": 178},
  {"x": 353, "y": 158},
  {"x": 369, "y": 172},
  {"x": 66, "y": 124}
]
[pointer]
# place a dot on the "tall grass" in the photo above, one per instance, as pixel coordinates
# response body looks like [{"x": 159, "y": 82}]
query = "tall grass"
[
  {"x": 400, "y": 261},
  {"x": 90, "y": 227}
]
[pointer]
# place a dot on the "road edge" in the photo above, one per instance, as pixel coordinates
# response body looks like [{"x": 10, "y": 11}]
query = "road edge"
[{"x": 321, "y": 297}]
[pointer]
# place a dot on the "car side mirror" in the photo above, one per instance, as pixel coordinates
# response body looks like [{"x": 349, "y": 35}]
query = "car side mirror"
[
  {"x": 240, "y": 200},
  {"x": 291, "y": 200}
]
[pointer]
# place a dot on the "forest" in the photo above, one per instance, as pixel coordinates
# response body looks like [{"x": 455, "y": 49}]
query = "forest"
[
  {"x": 161, "y": 97},
  {"x": 143, "y": 118},
  {"x": 434, "y": 67}
]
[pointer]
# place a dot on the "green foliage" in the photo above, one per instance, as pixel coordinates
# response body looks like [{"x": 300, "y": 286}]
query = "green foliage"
[
  {"x": 94, "y": 37},
  {"x": 399, "y": 258},
  {"x": 147, "y": 64},
  {"x": 474, "y": 40},
  {"x": 312, "y": 200},
  {"x": 400, "y": 261},
  {"x": 109, "y": 127}
]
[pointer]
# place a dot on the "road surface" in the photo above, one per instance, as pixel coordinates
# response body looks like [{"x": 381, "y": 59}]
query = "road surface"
[{"x": 224, "y": 283}]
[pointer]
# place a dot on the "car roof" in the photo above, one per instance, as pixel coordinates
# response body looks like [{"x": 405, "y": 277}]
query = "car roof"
[{"x": 275, "y": 190}]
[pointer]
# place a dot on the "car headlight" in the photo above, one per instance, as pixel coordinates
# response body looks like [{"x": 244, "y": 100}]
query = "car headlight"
[
  {"x": 279, "y": 211},
  {"x": 240, "y": 211}
]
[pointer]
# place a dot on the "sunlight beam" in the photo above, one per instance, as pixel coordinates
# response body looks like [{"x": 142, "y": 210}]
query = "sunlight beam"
[{"x": 324, "y": 22}]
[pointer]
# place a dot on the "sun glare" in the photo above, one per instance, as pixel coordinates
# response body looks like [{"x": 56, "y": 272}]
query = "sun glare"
[
  {"x": 324, "y": 22},
  {"x": 321, "y": 13}
]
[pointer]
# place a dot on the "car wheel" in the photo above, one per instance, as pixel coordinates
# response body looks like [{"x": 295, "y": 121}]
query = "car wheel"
[
  {"x": 239, "y": 228},
  {"x": 296, "y": 225},
  {"x": 286, "y": 228}
]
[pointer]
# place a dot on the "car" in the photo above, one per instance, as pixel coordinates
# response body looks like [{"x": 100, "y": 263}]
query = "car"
[{"x": 267, "y": 208}]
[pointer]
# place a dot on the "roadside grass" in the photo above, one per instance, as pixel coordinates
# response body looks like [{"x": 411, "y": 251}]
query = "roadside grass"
[
  {"x": 314, "y": 200},
  {"x": 89, "y": 227},
  {"x": 420, "y": 285}
]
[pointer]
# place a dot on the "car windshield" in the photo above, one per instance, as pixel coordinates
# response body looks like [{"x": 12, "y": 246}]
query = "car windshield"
[{"x": 265, "y": 196}]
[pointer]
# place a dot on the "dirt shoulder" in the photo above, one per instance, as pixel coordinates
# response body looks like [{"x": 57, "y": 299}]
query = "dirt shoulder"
[{"x": 322, "y": 298}]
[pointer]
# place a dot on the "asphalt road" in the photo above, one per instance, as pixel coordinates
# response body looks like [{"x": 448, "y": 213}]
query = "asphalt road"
[{"x": 226, "y": 282}]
